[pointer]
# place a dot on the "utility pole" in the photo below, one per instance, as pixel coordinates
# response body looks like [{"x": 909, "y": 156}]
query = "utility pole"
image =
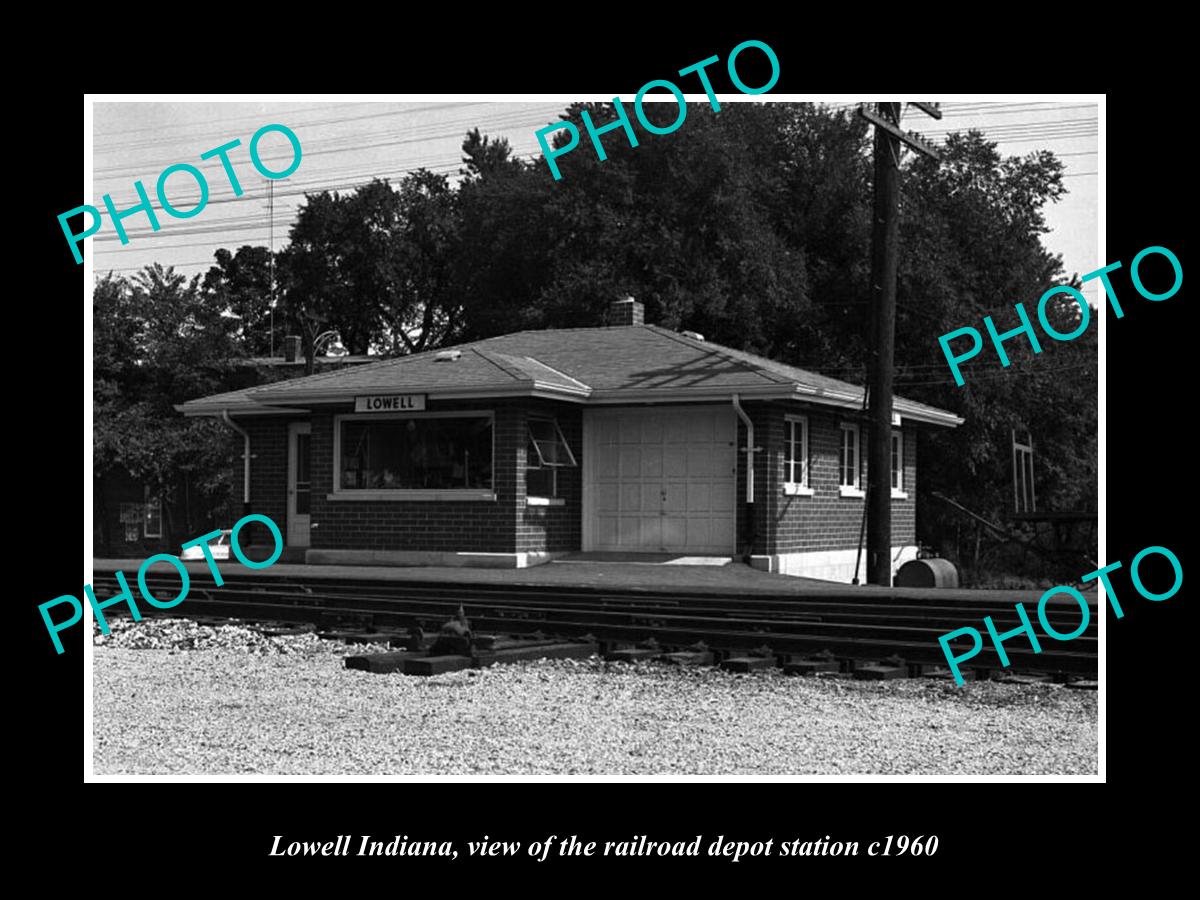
[
  {"x": 271, "y": 257},
  {"x": 885, "y": 223}
]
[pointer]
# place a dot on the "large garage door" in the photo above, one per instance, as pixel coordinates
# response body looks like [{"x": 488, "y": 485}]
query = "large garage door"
[{"x": 663, "y": 480}]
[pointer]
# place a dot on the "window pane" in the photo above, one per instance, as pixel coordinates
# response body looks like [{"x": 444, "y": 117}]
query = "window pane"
[
  {"x": 542, "y": 430},
  {"x": 553, "y": 453},
  {"x": 547, "y": 445},
  {"x": 802, "y": 449},
  {"x": 849, "y": 457},
  {"x": 417, "y": 454},
  {"x": 789, "y": 452},
  {"x": 303, "y": 476},
  {"x": 539, "y": 482},
  {"x": 153, "y": 521},
  {"x": 303, "y": 456}
]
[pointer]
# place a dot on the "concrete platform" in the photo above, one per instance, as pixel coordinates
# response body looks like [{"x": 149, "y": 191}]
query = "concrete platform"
[
  {"x": 645, "y": 559},
  {"x": 733, "y": 578}
]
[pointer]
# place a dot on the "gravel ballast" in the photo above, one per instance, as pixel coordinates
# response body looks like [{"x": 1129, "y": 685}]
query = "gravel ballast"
[{"x": 174, "y": 697}]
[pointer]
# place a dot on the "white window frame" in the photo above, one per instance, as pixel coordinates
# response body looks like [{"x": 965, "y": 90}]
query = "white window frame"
[
  {"x": 156, "y": 500},
  {"x": 851, "y": 490},
  {"x": 409, "y": 494},
  {"x": 897, "y": 474},
  {"x": 792, "y": 488},
  {"x": 132, "y": 517},
  {"x": 553, "y": 499}
]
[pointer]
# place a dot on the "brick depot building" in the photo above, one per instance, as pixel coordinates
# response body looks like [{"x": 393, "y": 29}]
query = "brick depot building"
[{"x": 627, "y": 439}]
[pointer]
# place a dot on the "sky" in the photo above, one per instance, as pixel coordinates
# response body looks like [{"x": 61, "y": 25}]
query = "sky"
[{"x": 346, "y": 144}]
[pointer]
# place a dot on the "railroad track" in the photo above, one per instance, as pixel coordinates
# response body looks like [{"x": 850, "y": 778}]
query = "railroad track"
[{"x": 854, "y": 629}]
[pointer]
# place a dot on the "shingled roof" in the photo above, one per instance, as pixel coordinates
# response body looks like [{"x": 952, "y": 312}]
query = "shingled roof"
[{"x": 623, "y": 364}]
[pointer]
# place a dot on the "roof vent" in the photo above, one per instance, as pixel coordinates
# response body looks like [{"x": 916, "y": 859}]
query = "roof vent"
[
  {"x": 447, "y": 355},
  {"x": 694, "y": 335}
]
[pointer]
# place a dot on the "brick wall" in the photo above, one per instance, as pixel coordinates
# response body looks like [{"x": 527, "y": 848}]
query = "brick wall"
[
  {"x": 826, "y": 520},
  {"x": 268, "y": 477},
  {"x": 783, "y": 523},
  {"x": 554, "y": 529},
  {"x": 904, "y": 512},
  {"x": 503, "y": 525},
  {"x": 481, "y": 526},
  {"x": 754, "y": 537}
]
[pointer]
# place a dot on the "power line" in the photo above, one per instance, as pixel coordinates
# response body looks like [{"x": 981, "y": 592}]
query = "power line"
[
  {"x": 213, "y": 121},
  {"x": 316, "y": 123},
  {"x": 1047, "y": 370},
  {"x": 355, "y": 142},
  {"x": 199, "y": 262},
  {"x": 320, "y": 183},
  {"x": 243, "y": 223},
  {"x": 1006, "y": 131}
]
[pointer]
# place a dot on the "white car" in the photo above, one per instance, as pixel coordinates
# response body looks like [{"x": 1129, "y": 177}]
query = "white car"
[{"x": 218, "y": 548}]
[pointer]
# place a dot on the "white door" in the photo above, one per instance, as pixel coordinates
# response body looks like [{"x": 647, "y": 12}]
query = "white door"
[
  {"x": 662, "y": 480},
  {"x": 299, "y": 483}
]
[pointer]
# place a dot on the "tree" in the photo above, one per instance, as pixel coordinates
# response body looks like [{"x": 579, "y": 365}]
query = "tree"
[
  {"x": 373, "y": 265},
  {"x": 487, "y": 156},
  {"x": 752, "y": 225},
  {"x": 159, "y": 341},
  {"x": 503, "y": 252},
  {"x": 690, "y": 223},
  {"x": 335, "y": 269},
  {"x": 420, "y": 311},
  {"x": 240, "y": 283}
]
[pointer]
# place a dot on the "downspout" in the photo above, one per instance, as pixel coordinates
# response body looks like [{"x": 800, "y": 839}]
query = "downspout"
[
  {"x": 245, "y": 459},
  {"x": 751, "y": 522}
]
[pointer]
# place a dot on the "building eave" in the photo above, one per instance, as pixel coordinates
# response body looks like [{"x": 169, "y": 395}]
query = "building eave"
[
  {"x": 434, "y": 392},
  {"x": 197, "y": 412},
  {"x": 298, "y": 404}
]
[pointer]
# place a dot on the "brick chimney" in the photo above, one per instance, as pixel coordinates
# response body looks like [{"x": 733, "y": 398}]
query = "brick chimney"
[
  {"x": 626, "y": 311},
  {"x": 291, "y": 348}
]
